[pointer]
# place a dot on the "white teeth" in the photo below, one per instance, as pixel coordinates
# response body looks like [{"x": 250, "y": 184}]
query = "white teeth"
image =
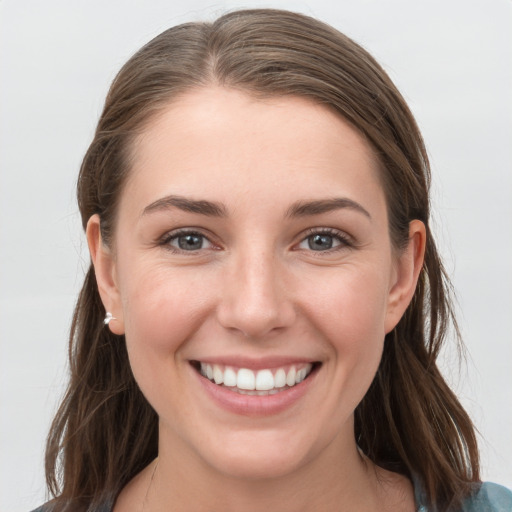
[
  {"x": 245, "y": 379},
  {"x": 290, "y": 378},
  {"x": 229, "y": 377},
  {"x": 301, "y": 374},
  {"x": 262, "y": 382},
  {"x": 218, "y": 374},
  {"x": 280, "y": 378}
]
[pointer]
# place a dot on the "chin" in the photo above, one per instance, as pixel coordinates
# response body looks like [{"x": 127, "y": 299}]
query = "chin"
[
  {"x": 258, "y": 456},
  {"x": 258, "y": 466}
]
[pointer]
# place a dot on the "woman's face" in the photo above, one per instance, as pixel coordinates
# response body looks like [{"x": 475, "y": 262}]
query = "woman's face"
[{"x": 252, "y": 251}]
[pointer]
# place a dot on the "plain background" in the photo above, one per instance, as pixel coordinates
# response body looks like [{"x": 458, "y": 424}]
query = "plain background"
[{"x": 450, "y": 58}]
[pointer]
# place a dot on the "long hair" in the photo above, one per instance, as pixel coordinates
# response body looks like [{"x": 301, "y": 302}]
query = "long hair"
[{"x": 105, "y": 432}]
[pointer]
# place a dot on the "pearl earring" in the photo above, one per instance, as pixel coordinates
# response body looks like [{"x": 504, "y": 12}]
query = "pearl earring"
[{"x": 108, "y": 318}]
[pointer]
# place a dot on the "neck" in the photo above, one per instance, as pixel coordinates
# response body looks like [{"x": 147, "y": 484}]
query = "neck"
[{"x": 339, "y": 478}]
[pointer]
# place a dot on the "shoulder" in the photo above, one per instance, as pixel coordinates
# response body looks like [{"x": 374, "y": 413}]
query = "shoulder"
[{"x": 489, "y": 498}]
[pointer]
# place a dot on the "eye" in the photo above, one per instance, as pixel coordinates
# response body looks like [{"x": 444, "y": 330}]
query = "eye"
[
  {"x": 187, "y": 241},
  {"x": 324, "y": 240}
]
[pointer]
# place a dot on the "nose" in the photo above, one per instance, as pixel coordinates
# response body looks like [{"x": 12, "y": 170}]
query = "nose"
[{"x": 254, "y": 299}]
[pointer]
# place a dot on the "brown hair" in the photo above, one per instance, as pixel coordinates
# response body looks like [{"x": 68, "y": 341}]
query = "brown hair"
[{"x": 105, "y": 432}]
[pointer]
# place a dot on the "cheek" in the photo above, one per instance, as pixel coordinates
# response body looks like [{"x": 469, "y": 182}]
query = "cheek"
[
  {"x": 162, "y": 309},
  {"x": 357, "y": 334},
  {"x": 350, "y": 306},
  {"x": 349, "y": 314}
]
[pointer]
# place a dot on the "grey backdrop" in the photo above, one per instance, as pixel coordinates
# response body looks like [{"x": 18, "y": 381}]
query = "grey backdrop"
[{"x": 452, "y": 61}]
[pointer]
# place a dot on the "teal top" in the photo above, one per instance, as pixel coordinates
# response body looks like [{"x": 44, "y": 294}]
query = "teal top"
[{"x": 490, "y": 498}]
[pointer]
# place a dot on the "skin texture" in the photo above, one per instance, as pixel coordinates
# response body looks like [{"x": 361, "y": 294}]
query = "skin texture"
[{"x": 254, "y": 290}]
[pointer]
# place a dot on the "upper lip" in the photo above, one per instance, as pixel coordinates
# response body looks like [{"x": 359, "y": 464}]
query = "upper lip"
[{"x": 255, "y": 363}]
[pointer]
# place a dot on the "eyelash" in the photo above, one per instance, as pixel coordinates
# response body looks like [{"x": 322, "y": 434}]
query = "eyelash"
[{"x": 344, "y": 241}]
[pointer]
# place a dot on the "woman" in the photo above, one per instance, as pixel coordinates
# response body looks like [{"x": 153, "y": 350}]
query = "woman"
[{"x": 265, "y": 304}]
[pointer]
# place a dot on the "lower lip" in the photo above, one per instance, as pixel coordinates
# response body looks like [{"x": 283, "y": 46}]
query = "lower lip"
[{"x": 255, "y": 405}]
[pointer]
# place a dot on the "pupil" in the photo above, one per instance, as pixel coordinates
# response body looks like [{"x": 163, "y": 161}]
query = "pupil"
[
  {"x": 320, "y": 242},
  {"x": 190, "y": 242}
]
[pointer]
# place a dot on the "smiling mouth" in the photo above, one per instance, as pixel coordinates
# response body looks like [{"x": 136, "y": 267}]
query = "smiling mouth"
[{"x": 267, "y": 381}]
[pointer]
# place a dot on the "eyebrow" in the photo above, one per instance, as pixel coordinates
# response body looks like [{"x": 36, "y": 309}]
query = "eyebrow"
[
  {"x": 304, "y": 209},
  {"x": 214, "y": 209},
  {"x": 202, "y": 207}
]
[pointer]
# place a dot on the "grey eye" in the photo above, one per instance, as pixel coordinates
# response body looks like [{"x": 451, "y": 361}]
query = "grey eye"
[
  {"x": 190, "y": 242},
  {"x": 323, "y": 241},
  {"x": 320, "y": 242}
]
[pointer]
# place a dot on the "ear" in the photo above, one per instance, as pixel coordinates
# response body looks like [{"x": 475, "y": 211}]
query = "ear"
[
  {"x": 407, "y": 270},
  {"x": 105, "y": 270}
]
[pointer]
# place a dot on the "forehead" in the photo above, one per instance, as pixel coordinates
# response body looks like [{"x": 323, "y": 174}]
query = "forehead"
[{"x": 227, "y": 143}]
